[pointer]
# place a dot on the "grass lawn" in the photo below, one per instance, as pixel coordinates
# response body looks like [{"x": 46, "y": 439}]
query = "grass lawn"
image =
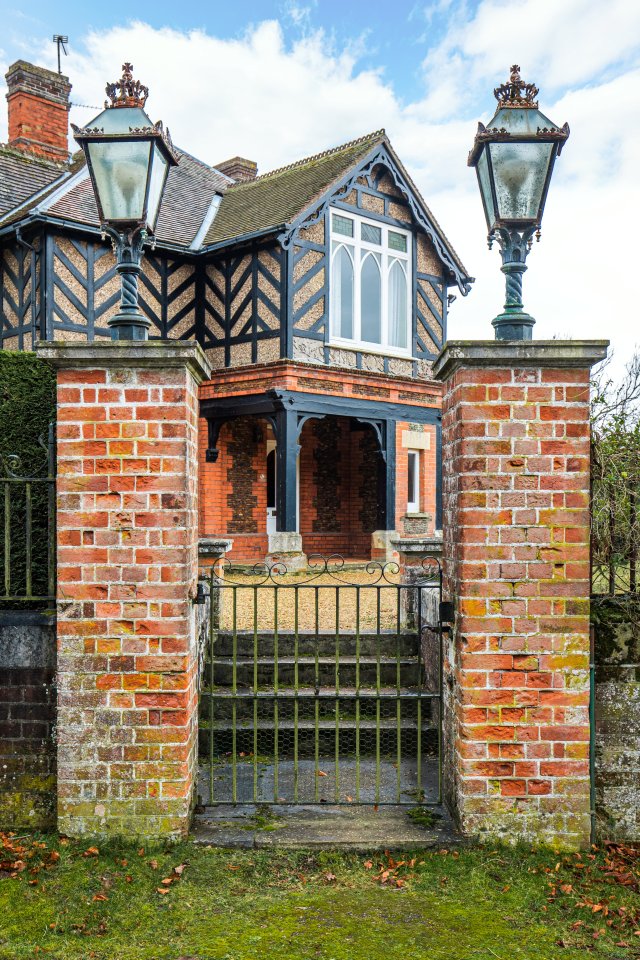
[{"x": 69, "y": 899}]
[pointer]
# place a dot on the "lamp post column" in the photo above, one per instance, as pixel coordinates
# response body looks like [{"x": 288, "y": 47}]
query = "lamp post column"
[
  {"x": 129, "y": 323},
  {"x": 514, "y": 323}
]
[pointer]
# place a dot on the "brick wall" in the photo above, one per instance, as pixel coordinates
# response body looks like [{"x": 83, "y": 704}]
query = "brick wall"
[
  {"x": 516, "y": 556},
  {"x": 127, "y": 571},
  {"x": 27, "y": 720}
]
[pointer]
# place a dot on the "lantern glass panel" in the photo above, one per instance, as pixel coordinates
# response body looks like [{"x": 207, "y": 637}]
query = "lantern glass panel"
[
  {"x": 519, "y": 175},
  {"x": 484, "y": 179},
  {"x": 120, "y": 169},
  {"x": 156, "y": 184}
]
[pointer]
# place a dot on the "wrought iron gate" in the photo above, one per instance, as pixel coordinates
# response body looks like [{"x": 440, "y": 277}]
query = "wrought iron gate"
[
  {"x": 28, "y": 529},
  {"x": 323, "y": 687}
]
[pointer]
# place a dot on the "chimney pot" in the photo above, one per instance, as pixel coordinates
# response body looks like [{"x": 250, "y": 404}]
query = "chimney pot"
[{"x": 38, "y": 111}]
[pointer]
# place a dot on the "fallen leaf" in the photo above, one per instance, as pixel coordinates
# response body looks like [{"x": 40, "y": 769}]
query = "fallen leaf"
[
  {"x": 321, "y": 773},
  {"x": 54, "y": 856},
  {"x": 91, "y": 852},
  {"x": 179, "y": 870},
  {"x": 168, "y": 881},
  {"x": 368, "y": 864},
  {"x": 129, "y": 878},
  {"x": 330, "y": 877},
  {"x": 100, "y": 896},
  {"x": 162, "y": 889},
  {"x": 153, "y": 864}
]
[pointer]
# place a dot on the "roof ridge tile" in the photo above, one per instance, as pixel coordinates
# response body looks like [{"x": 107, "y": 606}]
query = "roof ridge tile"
[{"x": 375, "y": 135}]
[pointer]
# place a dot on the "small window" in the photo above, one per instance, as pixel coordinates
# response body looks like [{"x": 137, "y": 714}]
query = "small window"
[
  {"x": 413, "y": 486},
  {"x": 397, "y": 241},
  {"x": 342, "y": 225},
  {"x": 370, "y": 234}
]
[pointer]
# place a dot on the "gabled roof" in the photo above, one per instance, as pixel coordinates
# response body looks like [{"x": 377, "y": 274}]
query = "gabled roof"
[
  {"x": 283, "y": 197},
  {"x": 203, "y": 208},
  {"x": 22, "y": 175},
  {"x": 274, "y": 199}
]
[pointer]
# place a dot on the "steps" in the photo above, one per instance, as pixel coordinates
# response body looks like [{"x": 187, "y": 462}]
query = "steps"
[{"x": 309, "y": 694}]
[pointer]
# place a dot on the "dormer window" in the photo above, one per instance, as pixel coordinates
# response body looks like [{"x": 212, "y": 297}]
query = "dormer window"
[{"x": 370, "y": 285}]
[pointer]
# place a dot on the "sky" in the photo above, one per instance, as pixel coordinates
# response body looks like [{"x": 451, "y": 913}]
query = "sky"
[{"x": 278, "y": 80}]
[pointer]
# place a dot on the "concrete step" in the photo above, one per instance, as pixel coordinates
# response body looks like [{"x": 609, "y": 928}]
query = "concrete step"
[
  {"x": 245, "y": 704},
  {"x": 364, "y": 739},
  {"x": 388, "y": 643},
  {"x": 311, "y": 671}
]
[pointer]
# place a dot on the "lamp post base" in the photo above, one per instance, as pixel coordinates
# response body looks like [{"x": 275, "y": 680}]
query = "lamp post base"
[
  {"x": 513, "y": 326},
  {"x": 129, "y": 326}
]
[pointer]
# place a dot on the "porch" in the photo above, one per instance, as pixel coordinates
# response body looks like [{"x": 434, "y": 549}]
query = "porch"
[{"x": 286, "y": 472}]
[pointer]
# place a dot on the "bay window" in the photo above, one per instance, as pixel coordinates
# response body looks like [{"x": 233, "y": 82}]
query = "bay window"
[{"x": 370, "y": 284}]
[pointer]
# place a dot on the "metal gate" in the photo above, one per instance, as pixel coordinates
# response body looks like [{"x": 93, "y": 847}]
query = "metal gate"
[
  {"x": 28, "y": 529},
  {"x": 322, "y": 687}
]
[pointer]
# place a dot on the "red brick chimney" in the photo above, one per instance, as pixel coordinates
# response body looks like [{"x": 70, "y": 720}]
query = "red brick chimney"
[
  {"x": 238, "y": 168},
  {"x": 38, "y": 111}
]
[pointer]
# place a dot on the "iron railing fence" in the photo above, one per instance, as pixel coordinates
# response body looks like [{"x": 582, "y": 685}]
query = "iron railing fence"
[
  {"x": 28, "y": 530},
  {"x": 615, "y": 526},
  {"x": 323, "y": 687}
]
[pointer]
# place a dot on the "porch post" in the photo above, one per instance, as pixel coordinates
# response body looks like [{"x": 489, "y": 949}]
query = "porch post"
[
  {"x": 286, "y": 470},
  {"x": 382, "y": 547},
  {"x": 515, "y": 461},
  {"x": 285, "y": 545},
  {"x": 127, "y": 564}
]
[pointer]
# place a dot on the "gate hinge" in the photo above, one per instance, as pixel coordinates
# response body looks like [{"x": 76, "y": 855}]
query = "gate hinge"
[{"x": 447, "y": 611}]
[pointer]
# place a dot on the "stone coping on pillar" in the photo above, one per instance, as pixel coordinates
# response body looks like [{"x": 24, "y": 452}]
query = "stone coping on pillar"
[
  {"x": 214, "y": 546},
  {"x": 520, "y": 353},
  {"x": 119, "y": 353},
  {"x": 425, "y": 546}
]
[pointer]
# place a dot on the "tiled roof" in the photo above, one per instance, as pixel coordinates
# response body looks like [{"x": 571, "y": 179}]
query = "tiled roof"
[
  {"x": 190, "y": 189},
  {"x": 22, "y": 175},
  {"x": 259, "y": 205},
  {"x": 275, "y": 198}
]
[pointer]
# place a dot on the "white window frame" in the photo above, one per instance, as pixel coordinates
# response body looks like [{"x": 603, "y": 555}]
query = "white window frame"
[
  {"x": 413, "y": 468},
  {"x": 355, "y": 248}
]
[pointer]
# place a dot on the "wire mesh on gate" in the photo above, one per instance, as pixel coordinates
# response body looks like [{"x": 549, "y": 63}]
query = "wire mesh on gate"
[{"x": 323, "y": 687}]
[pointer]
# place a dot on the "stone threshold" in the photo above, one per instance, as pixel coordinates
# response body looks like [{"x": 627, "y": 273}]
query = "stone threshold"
[{"x": 358, "y": 828}]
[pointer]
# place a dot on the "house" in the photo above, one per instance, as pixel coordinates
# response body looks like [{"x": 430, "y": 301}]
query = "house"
[{"x": 319, "y": 292}]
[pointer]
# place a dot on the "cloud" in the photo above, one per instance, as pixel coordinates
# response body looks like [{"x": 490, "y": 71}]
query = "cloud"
[{"x": 276, "y": 101}]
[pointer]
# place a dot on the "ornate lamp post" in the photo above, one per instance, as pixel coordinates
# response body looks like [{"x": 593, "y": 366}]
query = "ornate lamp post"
[
  {"x": 128, "y": 158},
  {"x": 514, "y": 157}
]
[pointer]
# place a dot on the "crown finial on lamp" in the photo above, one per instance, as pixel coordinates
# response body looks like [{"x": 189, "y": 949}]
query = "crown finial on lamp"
[
  {"x": 126, "y": 92},
  {"x": 516, "y": 93}
]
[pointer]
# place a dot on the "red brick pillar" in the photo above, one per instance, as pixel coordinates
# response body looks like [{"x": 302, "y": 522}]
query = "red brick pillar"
[
  {"x": 127, "y": 574},
  {"x": 516, "y": 466}
]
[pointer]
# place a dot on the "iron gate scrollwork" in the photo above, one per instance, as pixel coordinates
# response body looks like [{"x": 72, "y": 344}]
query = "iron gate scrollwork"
[{"x": 322, "y": 687}]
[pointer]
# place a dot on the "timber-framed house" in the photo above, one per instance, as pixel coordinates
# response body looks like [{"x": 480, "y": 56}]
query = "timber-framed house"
[{"x": 319, "y": 292}]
